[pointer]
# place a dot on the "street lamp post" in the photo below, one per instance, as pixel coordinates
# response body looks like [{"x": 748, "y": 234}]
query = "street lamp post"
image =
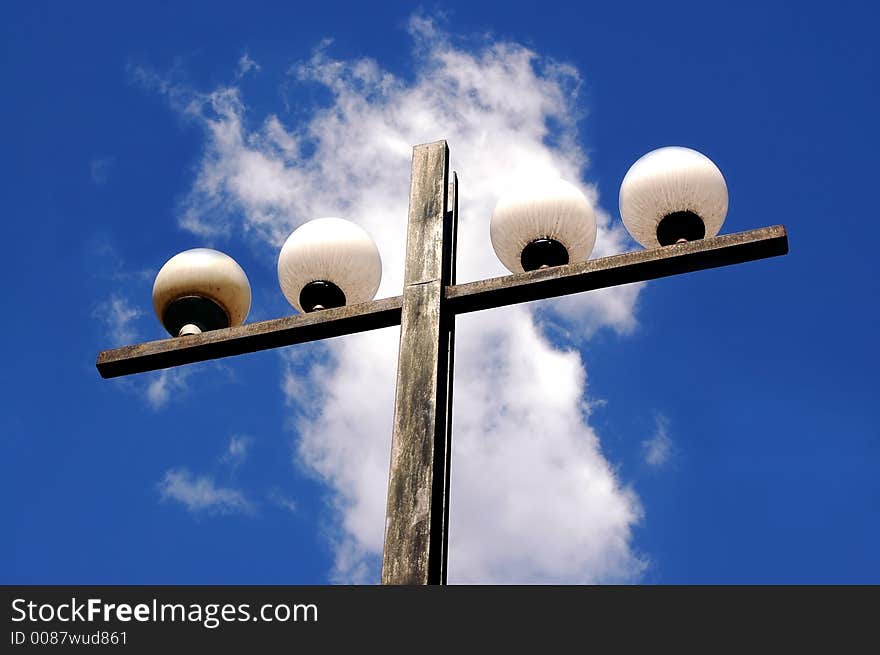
[{"x": 417, "y": 517}]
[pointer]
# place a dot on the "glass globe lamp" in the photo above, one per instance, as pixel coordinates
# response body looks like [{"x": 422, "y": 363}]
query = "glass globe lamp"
[
  {"x": 199, "y": 290},
  {"x": 673, "y": 195},
  {"x": 545, "y": 222},
  {"x": 329, "y": 262}
]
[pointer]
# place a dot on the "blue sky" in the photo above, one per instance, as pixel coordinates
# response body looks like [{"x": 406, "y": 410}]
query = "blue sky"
[{"x": 732, "y": 412}]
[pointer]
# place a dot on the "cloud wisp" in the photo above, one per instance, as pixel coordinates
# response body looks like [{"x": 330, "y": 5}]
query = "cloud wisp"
[
  {"x": 658, "y": 449},
  {"x": 200, "y": 494},
  {"x": 282, "y": 501},
  {"x": 236, "y": 450},
  {"x": 533, "y": 497},
  {"x": 164, "y": 385},
  {"x": 246, "y": 65},
  {"x": 119, "y": 316}
]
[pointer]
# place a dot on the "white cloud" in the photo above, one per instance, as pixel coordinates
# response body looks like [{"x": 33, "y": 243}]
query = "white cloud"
[
  {"x": 119, "y": 316},
  {"x": 164, "y": 384},
  {"x": 246, "y": 65},
  {"x": 533, "y": 498},
  {"x": 658, "y": 449},
  {"x": 201, "y": 494},
  {"x": 236, "y": 450}
]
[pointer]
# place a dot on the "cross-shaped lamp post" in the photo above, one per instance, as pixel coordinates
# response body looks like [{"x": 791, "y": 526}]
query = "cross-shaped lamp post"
[{"x": 417, "y": 518}]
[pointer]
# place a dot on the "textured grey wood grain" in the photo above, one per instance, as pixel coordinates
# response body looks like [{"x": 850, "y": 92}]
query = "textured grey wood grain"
[
  {"x": 414, "y": 531},
  {"x": 413, "y": 538},
  {"x": 251, "y": 337},
  {"x": 428, "y": 200}
]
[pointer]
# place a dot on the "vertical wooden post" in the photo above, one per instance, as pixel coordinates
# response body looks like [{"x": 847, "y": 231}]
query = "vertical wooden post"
[
  {"x": 417, "y": 512},
  {"x": 449, "y": 322}
]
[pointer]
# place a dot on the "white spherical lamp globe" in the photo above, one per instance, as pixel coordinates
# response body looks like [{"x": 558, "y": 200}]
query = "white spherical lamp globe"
[
  {"x": 329, "y": 262},
  {"x": 545, "y": 222},
  {"x": 672, "y": 195},
  {"x": 199, "y": 290}
]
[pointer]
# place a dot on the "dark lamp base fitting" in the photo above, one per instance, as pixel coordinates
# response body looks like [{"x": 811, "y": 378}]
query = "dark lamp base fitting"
[
  {"x": 678, "y": 227},
  {"x": 321, "y": 295},
  {"x": 202, "y": 312},
  {"x": 542, "y": 253}
]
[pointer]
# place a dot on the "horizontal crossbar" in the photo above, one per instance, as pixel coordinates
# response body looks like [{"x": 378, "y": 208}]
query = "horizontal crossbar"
[
  {"x": 249, "y": 338},
  {"x": 593, "y": 274},
  {"x": 636, "y": 266}
]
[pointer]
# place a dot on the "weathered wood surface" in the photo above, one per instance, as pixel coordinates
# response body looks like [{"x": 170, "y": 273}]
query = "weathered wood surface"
[
  {"x": 634, "y": 266},
  {"x": 251, "y": 337},
  {"x": 611, "y": 271},
  {"x": 426, "y": 226},
  {"x": 414, "y": 530}
]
